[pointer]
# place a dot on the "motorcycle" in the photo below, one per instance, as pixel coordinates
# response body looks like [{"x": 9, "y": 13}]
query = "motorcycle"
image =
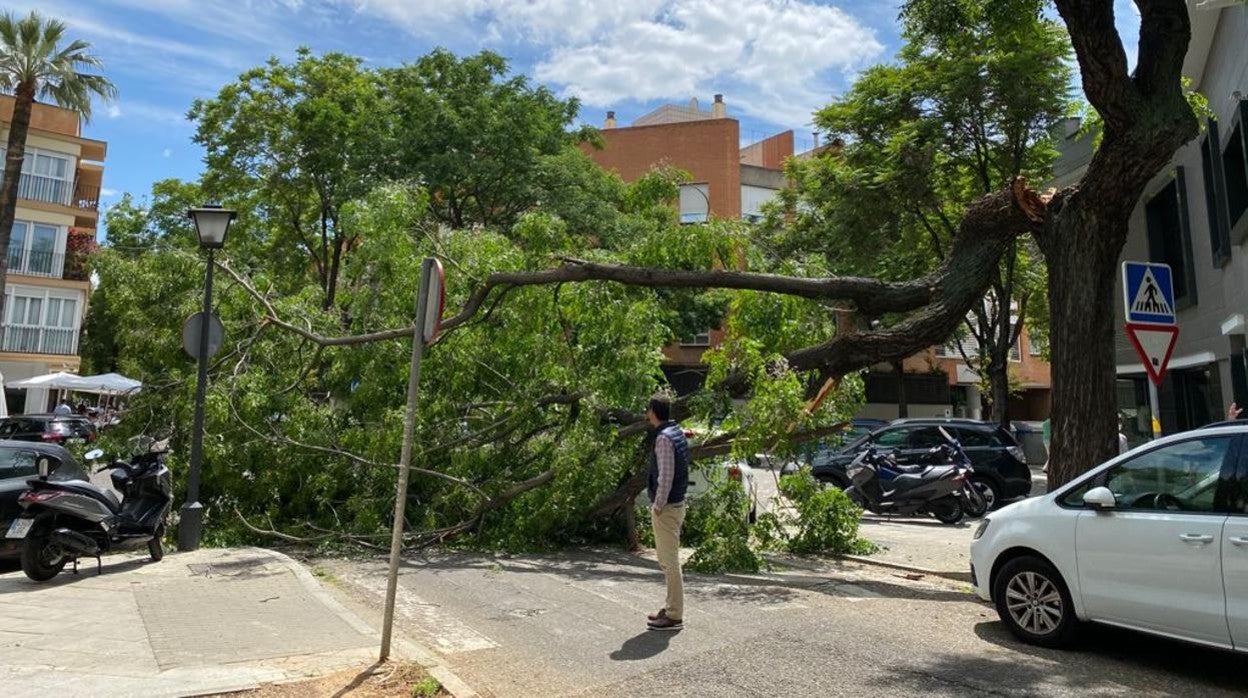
[
  {"x": 935, "y": 490},
  {"x": 64, "y": 521}
]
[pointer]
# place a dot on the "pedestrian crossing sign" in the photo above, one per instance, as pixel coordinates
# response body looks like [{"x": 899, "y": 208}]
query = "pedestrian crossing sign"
[{"x": 1148, "y": 293}]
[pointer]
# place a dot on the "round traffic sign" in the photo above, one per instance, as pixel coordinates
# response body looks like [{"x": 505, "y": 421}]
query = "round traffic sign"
[{"x": 191, "y": 330}]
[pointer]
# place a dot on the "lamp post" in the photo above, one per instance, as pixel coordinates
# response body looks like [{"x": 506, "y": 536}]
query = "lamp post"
[{"x": 211, "y": 224}]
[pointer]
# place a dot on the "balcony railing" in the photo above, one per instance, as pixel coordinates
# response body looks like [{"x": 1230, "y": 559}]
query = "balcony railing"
[
  {"x": 52, "y": 265},
  {"x": 26, "y": 339},
  {"x": 86, "y": 197},
  {"x": 50, "y": 190}
]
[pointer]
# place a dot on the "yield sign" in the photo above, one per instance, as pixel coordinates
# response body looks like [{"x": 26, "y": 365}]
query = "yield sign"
[{"x": 1154, "y": 344}]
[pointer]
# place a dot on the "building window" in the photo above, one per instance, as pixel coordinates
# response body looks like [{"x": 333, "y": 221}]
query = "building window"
[
  {"x": 1215, "y": 195},
  {"x": 46, "y": 176},
  {"x": 1235, "y": 165},
  {"x": 1035, "y": 345},
  {"x": 1016, "y": 351},
  {"x": 37, "y": 321},
  {"x": 695, "y": 203},
  {"x": 1170, "y": 239},
  {"x": 33, "y": 249},
  {"x": 701, "y": 339}
]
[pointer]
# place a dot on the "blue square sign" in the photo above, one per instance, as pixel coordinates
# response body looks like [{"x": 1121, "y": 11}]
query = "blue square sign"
[{"x": 1148, "y": 293}]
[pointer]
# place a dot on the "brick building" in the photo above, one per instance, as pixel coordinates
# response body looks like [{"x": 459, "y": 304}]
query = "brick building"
[{"x": 729, "y": 181}]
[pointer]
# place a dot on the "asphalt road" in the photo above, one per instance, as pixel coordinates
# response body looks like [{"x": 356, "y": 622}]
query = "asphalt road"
[{"x": 574, "y": 625}]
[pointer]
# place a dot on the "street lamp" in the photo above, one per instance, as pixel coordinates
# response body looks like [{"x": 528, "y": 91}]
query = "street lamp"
[{"x": 211, "y": 224}]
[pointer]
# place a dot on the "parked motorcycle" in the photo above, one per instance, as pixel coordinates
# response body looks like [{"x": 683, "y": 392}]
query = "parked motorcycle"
[
  {"x": 935, "y": 490},
  {"x": 65, "y": 521}
]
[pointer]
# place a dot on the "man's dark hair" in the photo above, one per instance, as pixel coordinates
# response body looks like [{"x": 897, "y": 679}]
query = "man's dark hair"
[{"x": 661, "y": 406}]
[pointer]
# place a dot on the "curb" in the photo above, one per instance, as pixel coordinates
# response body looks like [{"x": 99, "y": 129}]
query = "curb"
[
  {"x": 945, "y": 574},
  {"x": 405, "y": 647}
]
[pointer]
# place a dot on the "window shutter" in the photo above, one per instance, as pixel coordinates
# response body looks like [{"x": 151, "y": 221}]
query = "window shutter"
[
  {"x": 1185, "y": 228},
  {"x": 1215, "y": 195}
]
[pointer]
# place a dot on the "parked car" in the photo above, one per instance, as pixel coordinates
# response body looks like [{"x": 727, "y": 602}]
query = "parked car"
[
  {"x": 48, "y": 428},
  {"x": 1154, "y": 540},
  {"x": 1001, "y": 471},
  {"x": 19, "y": 462},
  {"x": 858, "y": 428},
  {"x": 702, "y": 476}
]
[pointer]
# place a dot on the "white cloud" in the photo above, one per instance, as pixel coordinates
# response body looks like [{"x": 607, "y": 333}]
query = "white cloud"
[
  {"x": 113, "y": 111},
  {"x": 776, "y": 60},
  {"x": 147, "y": 112},
  {"x": 108, "y": 193},
  {"x": 166, "y": 153}
]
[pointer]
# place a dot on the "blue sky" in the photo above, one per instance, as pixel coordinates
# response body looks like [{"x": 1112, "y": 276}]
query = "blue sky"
[{"x": 774, "y": 60}]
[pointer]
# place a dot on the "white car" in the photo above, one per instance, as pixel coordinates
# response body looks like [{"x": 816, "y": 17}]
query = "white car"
[
  {"x": 1155, "y": 540},
  {"x": 701, "y": 474}
]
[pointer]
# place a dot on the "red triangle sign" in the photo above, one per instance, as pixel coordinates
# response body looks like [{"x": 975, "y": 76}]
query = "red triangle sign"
[{"x": 1154, "y": 344}]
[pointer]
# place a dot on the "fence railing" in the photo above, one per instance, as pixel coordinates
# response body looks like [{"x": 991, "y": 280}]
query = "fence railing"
[{"x": 27, "y": 339}]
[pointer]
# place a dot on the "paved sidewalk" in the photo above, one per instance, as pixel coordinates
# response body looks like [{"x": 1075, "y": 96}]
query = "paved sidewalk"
[{"x": 195, "y": 623}]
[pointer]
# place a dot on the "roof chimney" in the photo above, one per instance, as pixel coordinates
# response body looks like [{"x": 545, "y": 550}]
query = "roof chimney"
[
  {"x": 610, "y": 123},
  {"x": 719, "y": 110}
]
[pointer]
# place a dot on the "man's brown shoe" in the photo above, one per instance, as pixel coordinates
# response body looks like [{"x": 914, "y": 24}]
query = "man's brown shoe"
[
  {"x": 666, "y": 623},
  {"x": 655, "y": 616}
]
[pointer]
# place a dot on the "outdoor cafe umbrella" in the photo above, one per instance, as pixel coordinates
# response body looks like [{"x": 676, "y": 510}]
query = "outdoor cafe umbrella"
[{"x": 106, "y": 384}]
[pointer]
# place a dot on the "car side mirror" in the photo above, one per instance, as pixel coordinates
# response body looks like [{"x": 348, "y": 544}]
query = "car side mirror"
[{"x": 1100, "y": 498}]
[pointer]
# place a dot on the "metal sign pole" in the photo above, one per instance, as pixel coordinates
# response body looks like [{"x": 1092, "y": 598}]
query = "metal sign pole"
[
  {"x": 405, "y": 456},
  {"x": 1154, "y": 409}
]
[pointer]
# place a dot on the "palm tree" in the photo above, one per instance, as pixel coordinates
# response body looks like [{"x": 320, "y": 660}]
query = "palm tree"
[{"x": 34, "y": 64}]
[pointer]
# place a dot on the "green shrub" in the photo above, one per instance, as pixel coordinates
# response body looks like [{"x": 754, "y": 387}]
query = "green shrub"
[{"x": 826, "y": 522}]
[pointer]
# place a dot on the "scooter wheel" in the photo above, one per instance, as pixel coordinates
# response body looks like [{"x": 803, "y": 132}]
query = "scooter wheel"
[
  {"x": 973, "y": 502},
  {"x": 947, "y": 510},
  {"x": 155, "y": 547},
  {"x": 41, "y": 559}
]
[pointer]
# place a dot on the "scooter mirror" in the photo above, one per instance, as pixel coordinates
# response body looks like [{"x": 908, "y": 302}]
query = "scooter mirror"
[{"x": 94, "y": 454}]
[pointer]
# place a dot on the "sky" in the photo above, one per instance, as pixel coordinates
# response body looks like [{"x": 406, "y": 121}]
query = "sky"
[{"x": 775, "y": 61}]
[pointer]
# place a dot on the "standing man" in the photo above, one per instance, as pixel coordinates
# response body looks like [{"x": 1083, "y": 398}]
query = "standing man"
[{"x": 669, "y": 477}]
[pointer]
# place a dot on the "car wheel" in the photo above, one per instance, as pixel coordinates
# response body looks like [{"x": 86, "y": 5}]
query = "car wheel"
[
  {"x": 1033, "y": 602},
  {"x": 989, "y": 489}
]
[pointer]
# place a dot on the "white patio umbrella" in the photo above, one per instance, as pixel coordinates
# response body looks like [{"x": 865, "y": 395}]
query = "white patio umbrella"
[
  {"x": 106, "y": 384},
  {"x": 50, "y": 381}
]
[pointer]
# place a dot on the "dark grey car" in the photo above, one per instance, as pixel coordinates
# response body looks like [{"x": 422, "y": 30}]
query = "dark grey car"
[
  {"x": 19, "y": 462},
  {"x": 1000, "y": 465}
]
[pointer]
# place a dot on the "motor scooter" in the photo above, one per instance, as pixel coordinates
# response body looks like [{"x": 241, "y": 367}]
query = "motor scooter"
[
  {"x": 934, "y": 490},
  {"x": 64, "y": 521}
]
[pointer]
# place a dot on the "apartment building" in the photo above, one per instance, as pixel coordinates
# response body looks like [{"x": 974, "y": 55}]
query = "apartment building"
[
  {"x": 54, "y": 229},
  {"x": 726, "y": 181},
  {"x": 732, "y": 181}
]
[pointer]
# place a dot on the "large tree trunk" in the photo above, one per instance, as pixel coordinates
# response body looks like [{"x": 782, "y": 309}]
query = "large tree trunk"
[
  {"x": 1146, "y": 118},
  {"x": 14, "y": 157},
  {"x": 1081, "y": 301}
]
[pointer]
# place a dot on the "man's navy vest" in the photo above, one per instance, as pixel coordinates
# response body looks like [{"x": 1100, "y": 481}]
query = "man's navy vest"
[{"x": 680, "y": 477}]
